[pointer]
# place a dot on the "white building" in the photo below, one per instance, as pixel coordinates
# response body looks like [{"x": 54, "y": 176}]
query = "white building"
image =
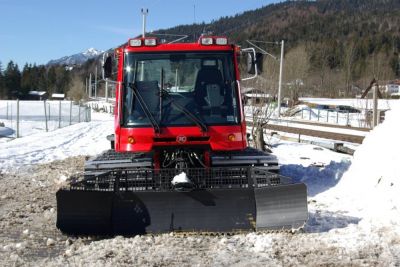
[
  {"x": 392, "y": 89},
  {"x": 58, "y": 96}
]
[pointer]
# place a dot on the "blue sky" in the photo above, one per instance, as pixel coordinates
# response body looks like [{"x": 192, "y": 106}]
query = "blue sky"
[{"x": 36, "y": 31}]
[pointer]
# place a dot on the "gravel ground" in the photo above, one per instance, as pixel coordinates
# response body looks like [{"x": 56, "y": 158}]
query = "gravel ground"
[{"x": 28, "y": 236}]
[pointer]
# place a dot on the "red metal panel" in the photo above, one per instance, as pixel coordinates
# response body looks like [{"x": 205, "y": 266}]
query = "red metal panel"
[
  {"x": 144, "y": 138},
  {"x": 118, "y": 96}
]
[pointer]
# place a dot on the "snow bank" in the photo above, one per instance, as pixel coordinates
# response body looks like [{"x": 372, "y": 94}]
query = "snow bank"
[
  {"x": 317, "y": 167},
  {"x": 370, "y": 189}
]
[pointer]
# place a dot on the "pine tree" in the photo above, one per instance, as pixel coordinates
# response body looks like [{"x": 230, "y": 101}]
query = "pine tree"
[
  {"x": 51, "y": 80},
  {"x": 42, "y": 78},
  {"x": 12, "y": 77},
  {"x": 63, "y": 80},
  {"x": 26, "y": 79},
  {"x": 2, "y": 88}
]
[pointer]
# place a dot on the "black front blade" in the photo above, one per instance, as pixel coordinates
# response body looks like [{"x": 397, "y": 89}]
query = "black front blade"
[
  {"x": 84, "y": 212},
  {"x": 283, "y": 206},
  {"x": 131, "y": 213}
]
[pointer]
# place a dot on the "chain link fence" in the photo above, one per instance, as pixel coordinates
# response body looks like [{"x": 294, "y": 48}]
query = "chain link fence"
[{"x": 23, "y": 118}]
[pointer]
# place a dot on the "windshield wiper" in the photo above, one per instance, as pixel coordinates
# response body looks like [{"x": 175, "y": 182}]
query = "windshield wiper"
[
  {"x": 145, "y": 108},
  {"x": 190, "y": 115}
]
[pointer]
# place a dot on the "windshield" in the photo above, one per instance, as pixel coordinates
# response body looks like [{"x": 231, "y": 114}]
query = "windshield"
[{"x": 179, "y": 89}]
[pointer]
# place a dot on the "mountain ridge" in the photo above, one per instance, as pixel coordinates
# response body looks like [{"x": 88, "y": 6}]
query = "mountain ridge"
[{"x": 76, "y": 59}]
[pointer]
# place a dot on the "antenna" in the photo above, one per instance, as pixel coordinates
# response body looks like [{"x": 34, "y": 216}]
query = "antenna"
[
  {"x": 144, "y": 14},
  {"x": 194, "y": 14}
]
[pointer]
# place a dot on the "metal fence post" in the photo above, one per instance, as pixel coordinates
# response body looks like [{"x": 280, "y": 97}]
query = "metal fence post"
[
  {"x": 309, "y": 117},
  {"x": 17, "y": 118},
  {"x": 106, "y": 89},
  {"x": 59, "y": 114},
  {"x": 45, "y": 115},
  {"x": 70, "y": 113},
  {"x": 79, "y": 112},
  {"x": 337, "y": 117},
  {"x": 302, "y": 114},
  {"x": 348, "y": 118},
  {"x": 327, "y": 115},
  {"x": 318, "y": 114},
  {"x": 375, "y": 106},
  {"x": 49, "y": 111}
]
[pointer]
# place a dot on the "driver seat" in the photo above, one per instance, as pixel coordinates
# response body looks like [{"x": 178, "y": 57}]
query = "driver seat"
[{"x": 209, "y": 89}]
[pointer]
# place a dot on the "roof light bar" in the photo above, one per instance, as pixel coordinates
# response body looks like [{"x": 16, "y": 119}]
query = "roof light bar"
[
  {"x": 150, "y": 42},
  {"x": 221, "y": 41},
  {"x": 207, "y": 41},
  {"x": 135, "y": 42},
  {"x": 213, "y": 40}
]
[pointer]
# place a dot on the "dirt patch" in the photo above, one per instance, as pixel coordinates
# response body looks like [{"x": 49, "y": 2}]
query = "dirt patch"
[{"x": 28, "y": 211}]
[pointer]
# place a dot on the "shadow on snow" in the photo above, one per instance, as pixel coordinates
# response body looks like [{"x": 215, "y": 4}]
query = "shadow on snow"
[
  {"x": 317, "y": 179},
  {"x": 324, "y": 221}
]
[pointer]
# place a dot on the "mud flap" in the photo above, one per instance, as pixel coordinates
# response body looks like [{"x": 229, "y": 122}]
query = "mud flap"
[
  {"x": 281, "y": 207},
  {"x": 131, "y": 213}
]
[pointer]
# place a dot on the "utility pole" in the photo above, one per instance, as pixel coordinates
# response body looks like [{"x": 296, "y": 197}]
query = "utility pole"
[
  {"x": 106, "y": 89},
  {"x": 90, "y": 85},
  {"x": 375, "y": 106},
  {"x": 144, "y": 14},
  {"x": 86, "y": 86},
  {"x": 95, "y": 82},
  {"x": 280, "y": 79}
]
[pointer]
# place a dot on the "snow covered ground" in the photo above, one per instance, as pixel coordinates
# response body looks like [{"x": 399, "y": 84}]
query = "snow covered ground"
[
  {"x": 354, "y": 205},
  {"x": 354, "y": 102},
  {"x": 42, "y": 147},
  {"x": 307, "y": 114},
  {"x": 32, "y": 116},
  {"x": 303, "y": 112}
]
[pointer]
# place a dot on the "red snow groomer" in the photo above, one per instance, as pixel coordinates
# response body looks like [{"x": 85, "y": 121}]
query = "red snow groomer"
[{"x": 180, "y": 159}]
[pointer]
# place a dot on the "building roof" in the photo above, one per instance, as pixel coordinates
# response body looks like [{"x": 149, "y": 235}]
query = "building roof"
[
  {"x": 58, "y": 95},
  {"x": 260, "y": 95},
  {"x": 38, "y": 93}
]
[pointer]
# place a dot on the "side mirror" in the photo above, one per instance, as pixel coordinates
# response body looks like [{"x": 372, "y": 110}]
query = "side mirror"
[
  {"x": 107, "y": 67},
  {"x": 252, "y": 63}
]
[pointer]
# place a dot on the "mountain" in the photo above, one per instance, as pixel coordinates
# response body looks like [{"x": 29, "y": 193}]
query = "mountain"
[
  {"x": 76, "y": 59},
  {"x": 333, "y": 46}
]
